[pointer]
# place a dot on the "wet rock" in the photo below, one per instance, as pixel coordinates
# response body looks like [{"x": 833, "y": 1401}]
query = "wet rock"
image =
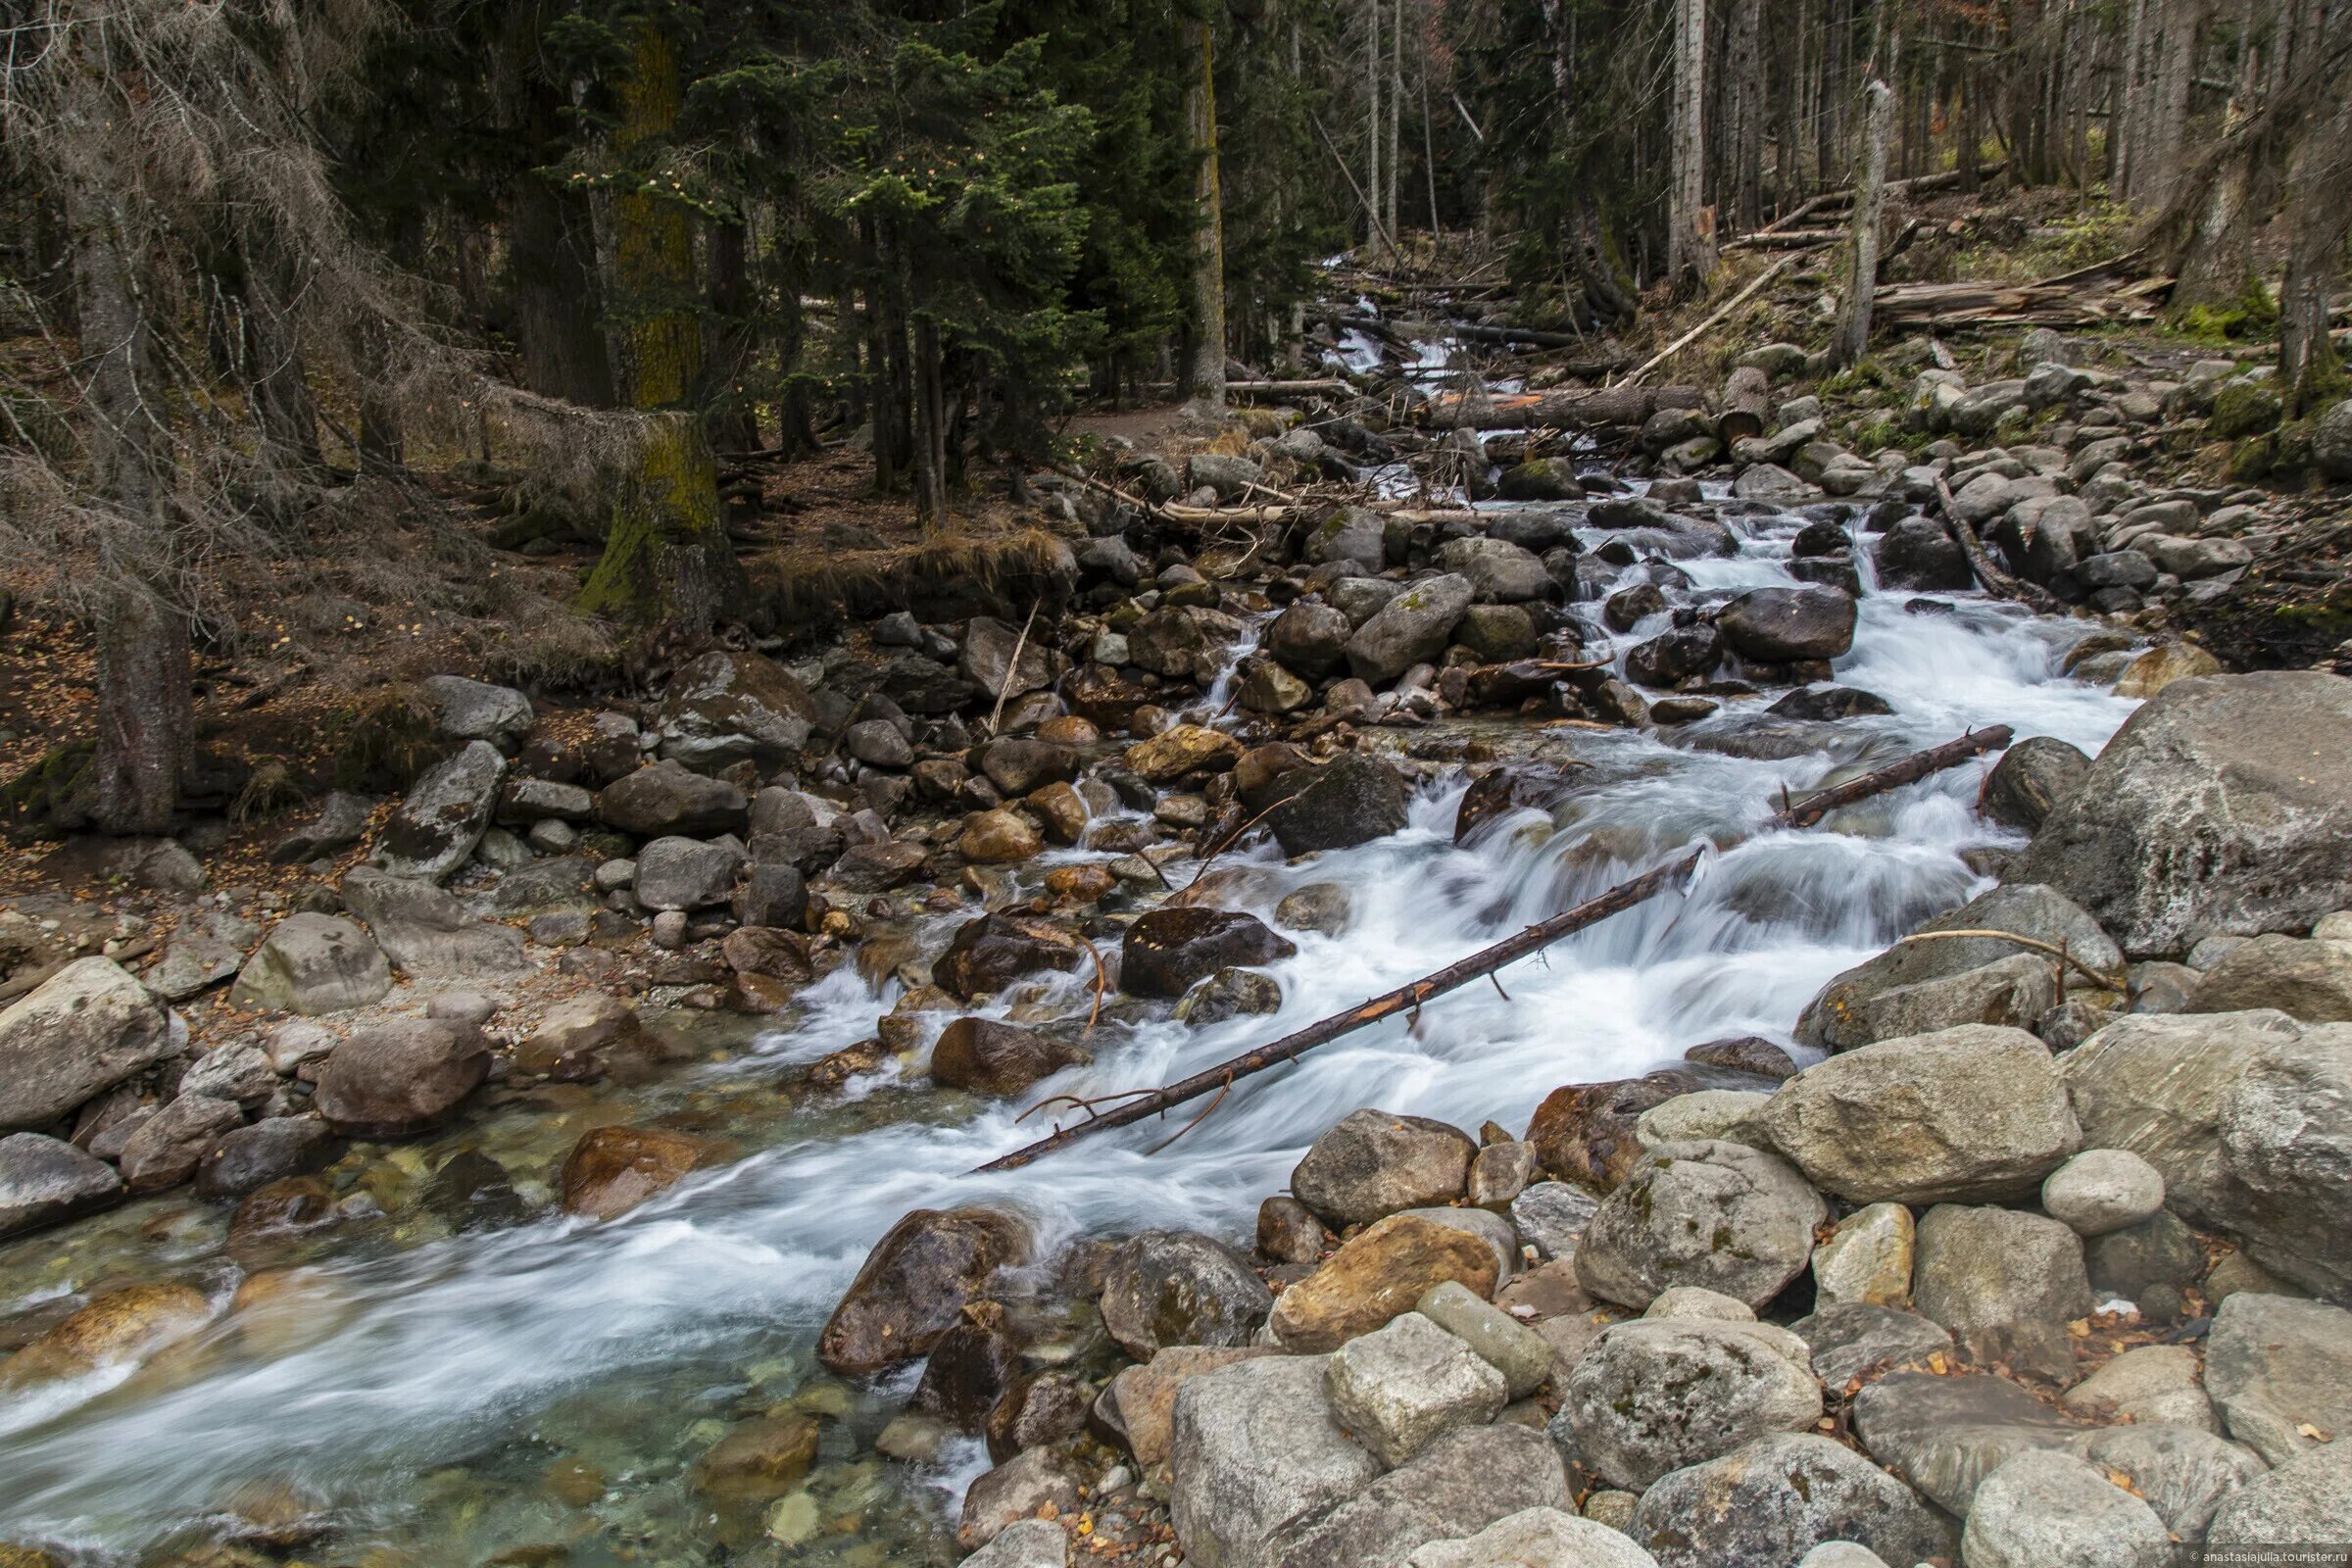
[
  {"x": 760, "y": 1460},
  {"x": 1017, "y": 764},
  {"x": 399, "y": 1076},
  {"x": 972, "y": 1367},
  {"x": 1310, "y": 638},
  {"x": 990, "y": 952},
  {"x": 1461, "y": 1483},
  {"x": 168, "y": 1144},
  {"x": 2005, "y": 1283},
  {"x": 2030, "y": 780},
  {"x": 730, "y": 706},
  {"x": 1287, "y": 1231},
  {"x": 1374, "y": 1164},
  {"x": 878, "y": 866},
  {"x": 1399, "y": 1388},
  {"x": 2281, "y": 1369},
  {"x": 1945, "y": 1434},
  {"x": 435, "y": 829},
  {"x": 1851, "y": 1341},
  {"x": 1324, "y": 907},
  {"x": 1777, "y": 1497},
  {"x": 611, "y": 1171},
  {"x": 1040, "y": 1479},
  {"x": 1841, "y": 1016},
  {"x": 1658, "y": 1394},
  {"x": 2102, "y": 1189},
  {"x": 1494, "y": 1336},
  {"x": 915, "y": 1284},
  {"x": 1348, "y": 800},
  {"x": 1039, "y": 1409},
  {"x": 278, "y": 1211},
  {"x": 2146, "y": 846},
  {"x": 1180, "y": 750},
  {"x": 1673, "y": 656},
  {"x": 1256, "y": 1445},
  {"x": 2307, "y": 980},
  {"x": 1229, "y": 994},
  {"x": 665, "y": 798},
  {"x": 2048, "y": 1511},
  {"x": 245, "y": 1159},
  {"x": 1498, "y": 571},
  {"x": 1963, "y": 1114},
  {"x": 1867, "y": 1260},
  {"x": 1410, "y": 628},
  {"x": 1167, "y": 950},
  {"x": 2184, "y": 1472},
  {"x": 1167, "y": 1288},
  {"x": 131, "y": 1324},
  {"x": 2299, "y": 1502},
  {"x": 46, "y": 1181},
  {"x": 1749, "y": 1053},
  {"x": 1920, "y": 554},
  {"x": 999, "y": 838},
  {"x": 339, "y": 822},
  {"x": 573, "y": 1035},
  {"x": 990, "y": 1058},
  {"x": 1186, "y": 642},
  {"x": 1552, "y": 1216},
  {"x": 1720, "y": 1215},
  {"x": 1783, "y": 626},
  {"x": 1377, "y": 1275},
  {"x": 77, "y": 1034},
  {"x": 767, "y": 951}
]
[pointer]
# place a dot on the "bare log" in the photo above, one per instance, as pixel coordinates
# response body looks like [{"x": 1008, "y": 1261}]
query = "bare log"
[
  {"x": 1997, "y": 582},
  {"x": 1725, "y": 309},
  {"x": 1533, "y": 938},
  {"x": 1747, "y": 405}
]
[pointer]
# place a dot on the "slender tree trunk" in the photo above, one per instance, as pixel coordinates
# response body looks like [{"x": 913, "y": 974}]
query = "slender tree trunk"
[
  {"x": 1690, "y": 224},
  {"x": 734, "y": 420},
  {"x": 1748, "y": 113},
  {"x": 1396, "y": 113},
  {"x": 2128, "y": 125},
  {"x": 1862, "y": 254},
  {"x": 1205, "y": 375},
  {"x": 146, "y": 709},
  {"x": 1372, "y": 186},
  {"x": 667, "y": 557},
  {"x": 2319, "y": 205},
  {"x": 271, "y": 364},
  {"x": 930, "y": 429},
  {"x": 2176, "y": 80}
]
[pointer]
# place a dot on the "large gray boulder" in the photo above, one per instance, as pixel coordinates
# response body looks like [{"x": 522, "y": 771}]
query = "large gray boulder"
[
  {"x": 2286, "y": 1140},
  {"x": 1658, "y": 1394},
  {"x": 1781, "y": 625},
  {"x": 429, "y": 931},
  {"x": 2222, "y": 806},
  {"x": 1401, "y": 1386},
  {"x": 312, "y": 964},
  {"x": 1963, "y": 1115},
  {"x": 1715, "y": 1214},
  {"x": 1500, "y": 571},
  {"x": 1537, "y": 1538},
  {"x": 1374, "y": 1164},
  {"x": 2331, "y": 441},
  {"x": 682, "y": 873},
  {"x": 1458, "y": 1484},
  {"x": 1310, "y": 638},
  {"x": 1843, "y": 1016},
  {"x": 2281, "y": 1369},
  {"x": 45, "y": 1181},
  {"x": 2051, "y": 1510},
  {"x": 475, "y": 711},
  {"x": 435, "y": 829},
  {"x": 667, "y": 798},
  {"x": 1351, "y": 534},
  {"x": 2006, "y": 1281},
  {"x": 729, "y": 707},
  {"x": 1413, "y": 627},
  {"x": 2304, "y": 1500},
  {"x": 1777, "y": 1499},
  {"x": 1350, "y": 800},
  {"x": 2185, "y": 1472},
  {"x": 399, "y": 1076},
  {"x": 1184, "y": 641},
  {"x": 75, "y": 1036},
  {"x": 2304, "y": 979},
  {"x": 1256, "y": 1445}
]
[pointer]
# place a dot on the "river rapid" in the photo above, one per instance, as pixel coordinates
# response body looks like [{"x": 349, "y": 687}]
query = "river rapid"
[{"x": 436, "y": 1397}]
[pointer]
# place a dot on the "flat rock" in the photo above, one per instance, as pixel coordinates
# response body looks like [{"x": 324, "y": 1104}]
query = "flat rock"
[
  {"x": 312, "y": 964},
  {"x": 47, "y": 1181},
  {"x": 1376, "y": 1276},
  {"x": 1856, "y": 1342},
  {"x": 1945, "y": 1434},
  {"x": 1254, "y": 1446},
  {"x": 2048, "y": 1511},
  {"x": 2280, "y": 1369},
  {"x": 77, "y": 1034},
  {"x": 1406, "y": 1384},
  {"x": 1461, "y": 1483},
  {"x": 435, "y": 829}
]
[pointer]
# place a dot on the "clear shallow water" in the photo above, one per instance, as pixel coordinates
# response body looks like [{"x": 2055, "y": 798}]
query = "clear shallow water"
[{"x": 426, "y": 1392}]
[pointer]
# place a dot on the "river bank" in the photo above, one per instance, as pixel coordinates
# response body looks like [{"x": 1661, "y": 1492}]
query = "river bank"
[{"x": 531, "y": 1166}]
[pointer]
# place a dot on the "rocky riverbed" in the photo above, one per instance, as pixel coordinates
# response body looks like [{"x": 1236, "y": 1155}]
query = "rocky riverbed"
[{"x": 566, "y": 1161}]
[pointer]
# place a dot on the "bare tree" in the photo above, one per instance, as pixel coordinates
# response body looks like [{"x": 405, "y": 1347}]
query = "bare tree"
[
  {"x": 1690, "y": 222},
  {"x": 1207, "y": 373},
  {"x": 1852, "y": 340}
]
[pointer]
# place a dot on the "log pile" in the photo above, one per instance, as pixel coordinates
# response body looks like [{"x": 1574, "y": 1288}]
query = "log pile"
[{"x": 2097, "y": 296}]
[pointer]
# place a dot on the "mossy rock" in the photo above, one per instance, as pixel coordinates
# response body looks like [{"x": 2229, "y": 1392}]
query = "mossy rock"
[
  {"x": 51, "y": 799},
  {"x": 2251, "y": 459},
  {"x": 2242, "y": 408}
]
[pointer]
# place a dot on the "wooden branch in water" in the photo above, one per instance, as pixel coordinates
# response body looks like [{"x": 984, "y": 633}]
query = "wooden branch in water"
[
  {"x": 2056, "y": 949},
  {"x": 1533, "y": 938},
  {"x": 1997, "y": 582}
]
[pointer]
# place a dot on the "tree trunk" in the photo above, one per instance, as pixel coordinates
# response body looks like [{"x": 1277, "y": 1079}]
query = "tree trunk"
[
  {"x": 146, "y": 707},
  {"x": 1747, "y": 115},
  {"x": 2319, "y": 205},
  {"x": 2216, "y": 263},
  {"x": 2176, "y": 80},
  {"x": 276, "y": 392},
  {"x": 930, "y": 429},
  {"x": 1396, "y": 113},
  {"x": 1690, "y": 224},
  {"x": 1373, "y": 239},
  {"x": 668, "y": 558},
  {"x": 551, "y": 277},
  {"x": 734, "y": 420},
  {"x": 1205, "y": 375},
  {"x": 1853, "y": 339}
]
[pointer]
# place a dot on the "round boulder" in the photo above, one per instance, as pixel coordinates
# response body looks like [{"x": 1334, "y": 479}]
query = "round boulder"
[
  {"x": 1724, "y": 1216},
  {"x": 1168, "y": 1288},
  {"x": 1375, "y": 1164},
  {"x": 915, "y": 1284},
  {"x": 1168, "y": 950}
]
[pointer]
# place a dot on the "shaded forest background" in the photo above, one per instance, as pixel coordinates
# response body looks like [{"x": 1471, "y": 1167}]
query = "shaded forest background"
[{"x": 290, "y": 281}]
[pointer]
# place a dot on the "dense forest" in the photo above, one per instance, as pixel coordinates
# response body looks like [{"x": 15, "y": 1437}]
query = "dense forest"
[{"x": 260, "y": 253}]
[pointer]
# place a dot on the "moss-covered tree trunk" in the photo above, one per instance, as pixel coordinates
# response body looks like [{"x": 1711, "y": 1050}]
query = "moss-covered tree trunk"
[{"x": 667, "y": 557}]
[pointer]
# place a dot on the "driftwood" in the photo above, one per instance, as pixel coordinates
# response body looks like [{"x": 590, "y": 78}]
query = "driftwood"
[
  {"x": 1410, "y": 997},
  {"x": 1722, "y": 311},
  {"x": 2096, "y": 295},
  {"x": 1997, "y": 582},
  {"x": 1544, "y": 410},
  {"x": 1409, "y": 511},
  {"x": 1747, "y": 405}
]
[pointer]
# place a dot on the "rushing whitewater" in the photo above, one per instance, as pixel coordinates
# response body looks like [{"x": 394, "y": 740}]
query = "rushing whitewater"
[{"x": 564, "y": 1334}]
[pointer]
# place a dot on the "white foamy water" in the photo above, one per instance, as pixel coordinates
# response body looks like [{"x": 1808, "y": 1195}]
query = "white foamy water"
[{"x": 458, "y": 1348}]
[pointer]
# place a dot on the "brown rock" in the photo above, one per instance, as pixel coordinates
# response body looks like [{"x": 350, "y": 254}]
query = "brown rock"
[
  {"x": 399, "y": 1076},
  {"x": 1375, "y": 1162},
  {"x": 170, "y": 1143},
  {"x": 1143, "y": 1398},
  {"x": 275, "y": 1210},
  {"x": 990, "y": 1058},
  {"x": 124, "y": 1325},
  {"x": 1040, "y": 1482},
  {"x": 915, "y": 1284},
  {"x": 1068, "y": 729},
  {"x": 570, "y": 1040},
  {"x": 1062, "y": 810},
  {"x": 770, "y": 950},
  {"x": 992, "y": 951},
  {"x": 1377, "y": 1276},
  {"x": 971, "y": 1369},
  {"x": 759, "y": 1460},
  {"x": 1583, "y": 1133},
  {"x": 1180, "y": 750},
  {"x": 1500, "y": 1173},
  {"x": 1167, "y": 950},
  {"x": 1040, "y": 1407},
  {"x": 1077, "y": 885},
  {"x": 1287, "y": 1231},
  {"x": 610, "y": 1170},
  {"x": 998, "y": 837}
]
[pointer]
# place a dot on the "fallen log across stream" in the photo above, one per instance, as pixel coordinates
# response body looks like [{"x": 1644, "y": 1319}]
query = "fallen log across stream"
[{"x": 1409, "y": 996}]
